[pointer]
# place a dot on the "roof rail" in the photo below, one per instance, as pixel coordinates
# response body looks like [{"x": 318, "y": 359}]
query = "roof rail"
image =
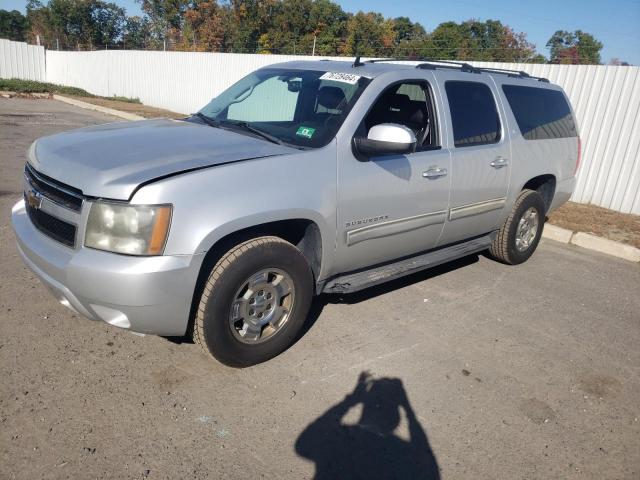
[
  {"x": 464, "y": 67},
  {"x": 432, "y": 64}
]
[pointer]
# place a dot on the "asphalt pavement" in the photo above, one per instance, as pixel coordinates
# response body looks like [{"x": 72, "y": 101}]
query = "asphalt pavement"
[{"x": 475, "y": 370}]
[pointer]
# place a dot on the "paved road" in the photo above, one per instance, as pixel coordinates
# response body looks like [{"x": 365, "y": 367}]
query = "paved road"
[{"x": 477, "y": 370}]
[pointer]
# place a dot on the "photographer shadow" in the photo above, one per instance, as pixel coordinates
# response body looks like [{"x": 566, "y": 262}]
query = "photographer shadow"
[{"x": 369, "y": 449}]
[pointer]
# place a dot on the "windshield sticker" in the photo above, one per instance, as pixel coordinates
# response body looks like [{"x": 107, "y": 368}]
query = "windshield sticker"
[
  {"x": 349, "y": 78},
  {"x": 306, "y": 132}
]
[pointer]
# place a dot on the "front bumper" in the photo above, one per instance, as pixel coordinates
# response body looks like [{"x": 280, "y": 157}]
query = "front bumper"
[{"x": 144, "y": 294}]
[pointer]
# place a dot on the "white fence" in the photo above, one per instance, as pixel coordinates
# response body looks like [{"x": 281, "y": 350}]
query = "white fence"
[
  {"x": 19, "y": 60},
  {"x": 606, "y": 100},
  {"x": 180, "y": 81}
]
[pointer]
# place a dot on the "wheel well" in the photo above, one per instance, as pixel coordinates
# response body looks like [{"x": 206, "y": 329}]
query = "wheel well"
[
  {"x": 303, "y": 233},
  {"x": 546, "y": 187}
]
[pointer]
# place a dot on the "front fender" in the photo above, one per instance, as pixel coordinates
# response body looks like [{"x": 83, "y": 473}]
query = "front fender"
[{"x": 212, "y": 203}]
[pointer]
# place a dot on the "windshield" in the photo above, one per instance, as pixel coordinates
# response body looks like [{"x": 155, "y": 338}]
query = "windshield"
[{"x": 303, "y": 108}]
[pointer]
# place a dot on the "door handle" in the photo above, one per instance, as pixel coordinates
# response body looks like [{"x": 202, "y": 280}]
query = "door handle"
[
  {"x": 435, "y": 172},
  {"x": 499, "y": 162}
]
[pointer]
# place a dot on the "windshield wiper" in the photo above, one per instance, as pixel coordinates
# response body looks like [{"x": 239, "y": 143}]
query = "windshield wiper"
[
  {"x": 257, "y": 131},
  {"x": 237, "y": 123},
  {"x": 208, "y": 120}
]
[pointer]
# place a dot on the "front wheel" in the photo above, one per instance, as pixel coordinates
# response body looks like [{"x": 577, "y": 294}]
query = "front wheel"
[
  {"x": 519, "y": 236},
  {"x": 254, "y": 303}
]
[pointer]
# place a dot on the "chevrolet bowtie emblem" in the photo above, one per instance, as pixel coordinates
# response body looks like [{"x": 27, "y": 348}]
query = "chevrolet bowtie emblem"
[{"x": 34, "y": 199}]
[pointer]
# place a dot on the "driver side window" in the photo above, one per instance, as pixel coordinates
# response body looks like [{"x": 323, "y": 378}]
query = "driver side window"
[{"x": 408, "y": 104}]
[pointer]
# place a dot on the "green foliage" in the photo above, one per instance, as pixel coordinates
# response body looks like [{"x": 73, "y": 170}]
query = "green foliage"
[
  {"x": 122, "y": 99},
  {"x": 369, "y": 34},
  {"x": 75, "y": 22},
  {"x": 475, "y": 40},
  {"x": 136, "y": 34},
  {"x": 31, "y": 86},
  {"x": 13, "y": 25},
  {"x": 577, "y": 48}
]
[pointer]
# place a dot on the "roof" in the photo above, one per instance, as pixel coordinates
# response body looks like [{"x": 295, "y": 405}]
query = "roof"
[
  {"x": 369, "y": 70},
  {"x": 374, "y": 68}
]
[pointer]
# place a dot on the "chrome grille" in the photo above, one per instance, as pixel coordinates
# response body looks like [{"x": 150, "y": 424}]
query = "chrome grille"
[
  {"x": 55, "y": 191},
  {"x": 52, "y": 207},
  {"x": 51, "y": 226}
]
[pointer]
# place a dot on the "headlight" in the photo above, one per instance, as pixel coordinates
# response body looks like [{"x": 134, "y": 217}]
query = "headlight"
[{"x": 129, "y": 229}]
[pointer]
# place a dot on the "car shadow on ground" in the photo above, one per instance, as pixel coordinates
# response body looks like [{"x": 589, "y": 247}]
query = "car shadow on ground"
[
  {"x": 352, "y": 298},
  {"x": 369, "y": 448}
]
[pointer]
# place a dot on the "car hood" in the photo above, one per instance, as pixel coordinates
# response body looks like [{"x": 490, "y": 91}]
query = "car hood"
[{"x": 112, "y": 160}]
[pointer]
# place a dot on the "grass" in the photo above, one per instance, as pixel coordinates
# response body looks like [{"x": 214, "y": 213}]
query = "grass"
[{"x": 31, "y": 86}]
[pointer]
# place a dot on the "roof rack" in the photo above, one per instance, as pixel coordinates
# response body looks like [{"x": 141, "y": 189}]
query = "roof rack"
[
  {"x": 514, "y": 73},
  {"x": 432, "y": 64}
]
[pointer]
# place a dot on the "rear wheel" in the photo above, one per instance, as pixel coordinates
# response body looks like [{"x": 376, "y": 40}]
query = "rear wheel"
[
  {"x": 254, "y": 303},
  {"x": 519, "y": 236}
]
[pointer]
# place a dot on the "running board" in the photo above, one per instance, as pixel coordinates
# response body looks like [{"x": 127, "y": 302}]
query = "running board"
[{"x": 355, "y": 281}]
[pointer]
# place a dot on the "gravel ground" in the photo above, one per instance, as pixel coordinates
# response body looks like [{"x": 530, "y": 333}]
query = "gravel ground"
[
  {"x": 474, "y": 370},
  {"x": 616, "y": 226}
]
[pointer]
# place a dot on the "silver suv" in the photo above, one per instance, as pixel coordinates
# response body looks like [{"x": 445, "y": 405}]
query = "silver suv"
[{"x": 302, "y": 178}]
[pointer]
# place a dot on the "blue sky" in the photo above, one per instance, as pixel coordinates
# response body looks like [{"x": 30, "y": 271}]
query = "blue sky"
[{"x": 615, "y": 22}]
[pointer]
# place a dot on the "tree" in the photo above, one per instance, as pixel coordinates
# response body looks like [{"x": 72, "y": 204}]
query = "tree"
[
  {"x": 246, "y": 21},
  {"x": 406, "y": 30},
  {"x": 165, "y": 18},
  {"x": 136, "y": 34},
  {"x": 537, "y": 58},
  {"x": 514, "y": 47},
  {"x": 369, "y": 34},
  {"x": 13, "y": 25},
  {"x": 295, "y": 23},
  {"x": 203, "y": 28},
  {"x": 617, "y": 62},
  {"x": 444, "y": 43},
  {"x": 75, "y": 22},
  {"x": 475, "y": 40},
  {"x": 574, "y": 48}
]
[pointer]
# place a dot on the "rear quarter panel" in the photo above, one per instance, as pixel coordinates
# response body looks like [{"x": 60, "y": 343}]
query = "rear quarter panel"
[{"x": 532, "y": 158}]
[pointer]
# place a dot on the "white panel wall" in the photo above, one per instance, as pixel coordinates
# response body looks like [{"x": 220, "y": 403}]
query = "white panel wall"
[
  {"x": 19, "y": 60},
  {"x": 606, "y": 99},
  {"x": 180, "y": 81}
]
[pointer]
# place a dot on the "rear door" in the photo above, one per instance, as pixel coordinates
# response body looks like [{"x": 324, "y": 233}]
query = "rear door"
[{"x": 480, "y": 155}]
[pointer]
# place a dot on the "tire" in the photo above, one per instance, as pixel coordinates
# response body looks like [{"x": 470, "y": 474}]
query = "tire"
[
  {"x": 508, "y": 247},
  {"x": 262, "y": 269}
]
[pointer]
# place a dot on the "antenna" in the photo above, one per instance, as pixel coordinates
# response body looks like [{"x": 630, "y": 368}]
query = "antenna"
[{"x": 357, "y": 62}]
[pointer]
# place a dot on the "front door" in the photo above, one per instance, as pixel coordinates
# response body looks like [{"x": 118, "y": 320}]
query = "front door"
[{"x": 395, "y": 205}]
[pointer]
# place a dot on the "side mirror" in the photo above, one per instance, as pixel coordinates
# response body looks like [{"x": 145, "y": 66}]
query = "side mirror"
[{"x": 386, "y": 139}]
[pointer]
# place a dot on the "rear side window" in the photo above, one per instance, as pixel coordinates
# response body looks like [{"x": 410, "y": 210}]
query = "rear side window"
[
  {"x": 541, "y": 113},
  {"x": 473, "y": 113}
]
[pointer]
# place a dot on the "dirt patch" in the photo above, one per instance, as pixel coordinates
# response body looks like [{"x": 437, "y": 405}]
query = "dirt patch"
[
  {"x": 599, "y": 385},
  {"x": 537, "y": 411},
  {"x": 620, "y": 227},
  {"x": 129, "y": 107}
]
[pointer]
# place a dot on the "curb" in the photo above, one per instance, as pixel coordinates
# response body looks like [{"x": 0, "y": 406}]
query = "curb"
[
  {"x": 592, "y": 242},
  {"x": 98, "y": 108}
]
